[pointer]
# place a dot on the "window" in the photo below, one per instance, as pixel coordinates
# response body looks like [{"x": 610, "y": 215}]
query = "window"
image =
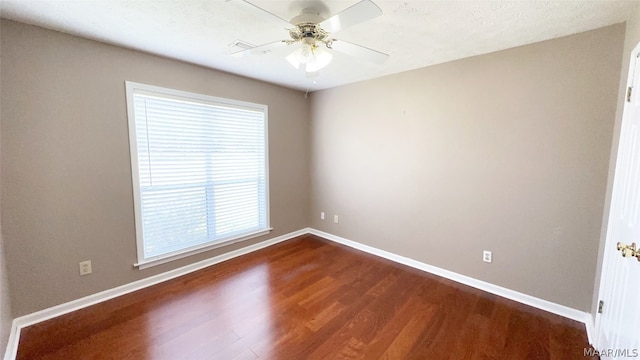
[{"x": 199, "y": 169}]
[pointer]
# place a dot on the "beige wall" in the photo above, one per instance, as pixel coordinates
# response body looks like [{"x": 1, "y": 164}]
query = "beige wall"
[
  {"x": 66, "y": 179},
  {"x": 5, "y": 298},
  {"x": 506, "y": 152},
  {"x": 632, "y": 38}
]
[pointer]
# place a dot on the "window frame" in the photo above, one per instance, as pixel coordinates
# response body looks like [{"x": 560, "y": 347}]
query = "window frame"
[{"x": 131, "y": 88}]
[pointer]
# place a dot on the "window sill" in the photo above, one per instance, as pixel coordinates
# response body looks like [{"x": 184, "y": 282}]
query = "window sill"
[{"x": 196, "y": 250}]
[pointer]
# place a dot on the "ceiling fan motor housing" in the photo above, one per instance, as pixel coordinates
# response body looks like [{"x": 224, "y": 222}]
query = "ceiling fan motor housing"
[
  {"x": 309, "y": 31},
  {"x": 307, "y": 28}
]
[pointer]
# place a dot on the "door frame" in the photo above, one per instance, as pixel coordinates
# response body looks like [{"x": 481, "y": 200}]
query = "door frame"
[{"x": 594, "y": 333}]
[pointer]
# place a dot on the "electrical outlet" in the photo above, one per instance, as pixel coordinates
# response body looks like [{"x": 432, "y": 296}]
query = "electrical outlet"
[
  {"x": 322, "y": 215},
  {"x": 85, "y": 267},
  {"x": 487, "y": 256},
  {"x": 335, "y": 219}
]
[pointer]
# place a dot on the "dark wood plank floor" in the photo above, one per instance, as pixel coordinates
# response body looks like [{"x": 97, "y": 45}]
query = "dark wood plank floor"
[{"x": 306, "y": 298}]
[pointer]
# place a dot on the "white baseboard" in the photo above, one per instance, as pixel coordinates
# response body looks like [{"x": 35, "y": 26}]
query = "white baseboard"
[
  {"x": 591, "y": 329},
  {"x": 49, "y": 313},
  {"x": 545, "y": 305}
]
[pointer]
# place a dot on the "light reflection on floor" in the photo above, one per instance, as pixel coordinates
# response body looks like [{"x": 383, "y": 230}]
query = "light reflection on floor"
[{"x": 224, "y": 324}]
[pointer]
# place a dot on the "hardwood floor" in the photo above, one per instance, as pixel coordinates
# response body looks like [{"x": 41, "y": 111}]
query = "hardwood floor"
[{"x": 306, "y": 298}]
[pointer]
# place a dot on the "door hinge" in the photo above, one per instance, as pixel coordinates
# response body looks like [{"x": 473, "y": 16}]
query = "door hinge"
[
  {"x": 600, "y": 306},
  {"x": 629, "y": 90}
]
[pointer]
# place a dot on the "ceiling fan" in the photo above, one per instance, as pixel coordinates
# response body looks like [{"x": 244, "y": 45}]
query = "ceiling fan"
[{"x": 313, "y": 34}]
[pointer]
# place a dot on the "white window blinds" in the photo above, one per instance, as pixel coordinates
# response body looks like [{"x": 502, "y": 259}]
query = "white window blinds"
[{"x": 199, "y": 167}]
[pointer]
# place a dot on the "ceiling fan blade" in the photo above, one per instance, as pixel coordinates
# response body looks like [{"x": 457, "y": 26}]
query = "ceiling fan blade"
[
  {"x": 260, "y": 50},
  {"x": 360, "y": 52},
  {"x": 357, "y": 13},
  {"x": 258, "y": 10}
]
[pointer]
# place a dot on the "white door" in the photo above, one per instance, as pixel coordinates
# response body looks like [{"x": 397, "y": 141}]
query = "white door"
[{"x": 618, "y": 326}]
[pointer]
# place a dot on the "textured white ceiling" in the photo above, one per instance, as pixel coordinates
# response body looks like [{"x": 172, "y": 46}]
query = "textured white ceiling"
[{"x": 414, "y": 33}]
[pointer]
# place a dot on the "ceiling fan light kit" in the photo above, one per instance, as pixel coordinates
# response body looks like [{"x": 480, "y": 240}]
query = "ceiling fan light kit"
[
  {"x": 311, "y": 32},
  {"x": 312, "y": 56}
]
